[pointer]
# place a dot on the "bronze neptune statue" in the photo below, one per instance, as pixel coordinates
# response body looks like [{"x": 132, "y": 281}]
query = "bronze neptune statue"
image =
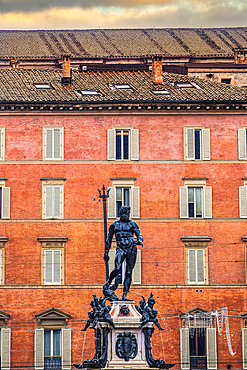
[{"x": 124, "y": 230}]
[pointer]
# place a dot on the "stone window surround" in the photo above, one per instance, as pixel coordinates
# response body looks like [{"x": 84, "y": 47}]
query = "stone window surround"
[
  {"x": 61, "y": 128},
  {"x": 52, "y": 243},
  {"x": 59, "y": 181},
  {"x": 195, "y": 242}
]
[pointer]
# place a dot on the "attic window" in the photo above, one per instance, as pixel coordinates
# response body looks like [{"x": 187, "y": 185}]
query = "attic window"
[
  {"x": 42, "y": 85},
  {"x": 186, "y": 85},
  {"x": 122, "y": 86},
  {"x": 88, "y": 92},
  {"x": 161, "y": 92}
]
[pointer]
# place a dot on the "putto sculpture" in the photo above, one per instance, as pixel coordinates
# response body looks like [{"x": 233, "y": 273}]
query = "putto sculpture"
[
  {"x": 147, "y": 312},
  {"x": 124, "y": 230},
  {"x": 99, "y": 313}
]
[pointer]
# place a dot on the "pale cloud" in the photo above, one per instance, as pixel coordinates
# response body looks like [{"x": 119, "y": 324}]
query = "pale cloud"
[{"x": 134, "y": 13}]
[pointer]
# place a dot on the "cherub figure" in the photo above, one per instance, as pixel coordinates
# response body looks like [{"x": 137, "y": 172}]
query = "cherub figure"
[{"x": 148, "y": 313}]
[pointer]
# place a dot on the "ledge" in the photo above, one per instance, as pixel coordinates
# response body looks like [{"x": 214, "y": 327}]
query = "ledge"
[
  {"x": 244, "y": 238},
  {"x": 3, "y": 239},
  {"x": 196, "y": 238},
  {"x": 123, "y": 178},
  {"x": 3, "y": 179},
  {"x": 53, "y": 178},
  {"x": 52, "y": 239},
  {"x": 194, "y": 178}
]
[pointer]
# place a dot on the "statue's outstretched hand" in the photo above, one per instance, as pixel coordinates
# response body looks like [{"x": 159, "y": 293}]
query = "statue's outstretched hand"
[{"x": 106, "y": 258}]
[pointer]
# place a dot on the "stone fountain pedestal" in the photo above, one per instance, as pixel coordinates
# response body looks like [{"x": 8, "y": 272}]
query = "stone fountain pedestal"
[{"x": 126, "y": 343}]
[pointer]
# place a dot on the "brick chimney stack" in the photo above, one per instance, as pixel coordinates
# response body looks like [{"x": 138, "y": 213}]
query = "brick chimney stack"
[
  {"x": 240, "y": 56},
  {"x": 66, "y": 79},
  {"x": 157, "y": 69}
]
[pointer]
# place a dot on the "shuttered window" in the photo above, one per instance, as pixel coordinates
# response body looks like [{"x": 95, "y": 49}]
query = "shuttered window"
[
  {"x": 53, "y": 143},
  {"x": 184, "y": 348},
  {"x": 136, "y": 273},
  {"x": 124, "y": 196},
  {"x": 197, "y": 144},
  {"x": 211, "y": 348},
  {"x": 195, "y": 202},
  {"x": 66, "y": 348},
  {"x": 243, "y": 201},
  {"x": 5, "y": 348},
  {"x": 53, "y": 198},
  {"x": 2, "y": 143},
  {"x": 244, "y": 347},
  {"x": 196, "y": 266},
  {"x": 52, "y": 266},
  {"x": 1, "y": 266},
  {"x": 123, "y": 144},
  {"x": 242, "y": 154}
]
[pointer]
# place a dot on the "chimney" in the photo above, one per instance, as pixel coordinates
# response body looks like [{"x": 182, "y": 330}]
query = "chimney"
[
  {"x": 157, "y": 69},
  {"x": 66, "y": 79},
  {"x": 240, "y": 55}
]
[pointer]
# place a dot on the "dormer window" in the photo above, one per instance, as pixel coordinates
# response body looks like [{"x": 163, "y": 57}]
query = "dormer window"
[{"x": 40, "y": 85}]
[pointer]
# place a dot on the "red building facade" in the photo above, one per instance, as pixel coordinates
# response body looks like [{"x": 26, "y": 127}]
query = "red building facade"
[{"x": 176, "y": 153}]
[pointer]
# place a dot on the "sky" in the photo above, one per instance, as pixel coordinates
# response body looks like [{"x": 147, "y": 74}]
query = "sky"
[{"x": 83, "y": 14}]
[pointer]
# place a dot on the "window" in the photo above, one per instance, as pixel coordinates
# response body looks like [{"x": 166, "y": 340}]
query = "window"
[
  {"x": 198, "y": 341},
  {"x": 5, "y": 341},
  {"x": 195, "y": 198},
  {"x": 243, "y": 199},
  {"x": 124, "y": 193},
  {"x": 4, "y": 200},
  {"x": 53, "y": 197},
  {"x": 53, "y": 143},
  {"x": 196, "y": 259},
  {"x": 52, "y": 349},
  {"x": 52, "y": 340},
  {"x": 123, "y": 144},
  {"x": 41, "y": 85},
  {"x": 196, "y": 143},
  {"x": 136, "y": 273},
  {"x": 228, "y": 80},
  {"x": 244, "y": 339},
  {"x": 52, "y": 260},
  {"x": 3, "y": 240},
  {"x": 2, "y": 143},
  {"x": 242, "y": 147}
]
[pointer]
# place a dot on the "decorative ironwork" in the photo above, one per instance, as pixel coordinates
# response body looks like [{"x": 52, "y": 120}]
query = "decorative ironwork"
[
  {"x": 198, "y": 362},
  {"x": 126, "y": 346},
  {"x": 51, "y": 363}
]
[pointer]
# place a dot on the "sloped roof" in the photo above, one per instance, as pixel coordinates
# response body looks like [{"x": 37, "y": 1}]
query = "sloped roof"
[
  {"x": 122, "y": 42},
  {"x": 18, "y": 85}
]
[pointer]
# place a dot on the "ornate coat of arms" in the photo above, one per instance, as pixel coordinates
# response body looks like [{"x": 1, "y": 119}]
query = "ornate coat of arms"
[{"x": 126, "y": 346}]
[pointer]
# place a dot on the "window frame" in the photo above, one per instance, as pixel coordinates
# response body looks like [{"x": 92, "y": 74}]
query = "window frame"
[
  {"x": 53, "y": 183},
  {"x": 133, "y": 143},
  {"x": 134, "y": 196},
  {"x": 53, "y": 128},
  {"x": 206, "y": 197},
  {"x": 205, "y": 150},
  {"x": 195, "y": 243},
  {"x": 53, "y": 244}
]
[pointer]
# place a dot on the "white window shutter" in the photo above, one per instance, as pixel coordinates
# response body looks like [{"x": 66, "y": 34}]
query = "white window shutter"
[
  {"x": 135, "y": 202},
  {"x": 134, "y": 144},
  {"x": 242, "y": 143},
  {"x": 1, "y": 143},
  {"x": 39, "y": 349},
  {"x": 206, "y": 144},
  {"x": 5, "y": 202},
  {"x": 192, "y": 266},
  {"x": 66, "y": 348},
  {"x": 243, "y": 201},
  {"x": 112, "y": 203},
  {"x": 112, "y": 253},
  {"x": 208, "y": 202},
  {"x": 48, "y": 201},
  {"x": 48, "y": 143},
  {"x": 57, "y": 201},
  {"x": 200, "y": 266},
  {"x": 190, "y": 142},
  {"x": 48, "y": 266},
  {"x": 5, "y": 348},
  {"x": 57, "y": 266},
  {"x": 244, "y": 347},
  {"x": 184, "y": 348},
  {"x": 57, "y": 144},
  {"x": 136, "y": 276},
  {"x": 183, "y": 201},
  {"x": 111, "y": 140},
  {"x": 211, "y": 348}
]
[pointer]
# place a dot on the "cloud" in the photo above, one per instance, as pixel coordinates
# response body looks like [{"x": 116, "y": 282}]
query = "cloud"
[{"x": 180, "y": 13}]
